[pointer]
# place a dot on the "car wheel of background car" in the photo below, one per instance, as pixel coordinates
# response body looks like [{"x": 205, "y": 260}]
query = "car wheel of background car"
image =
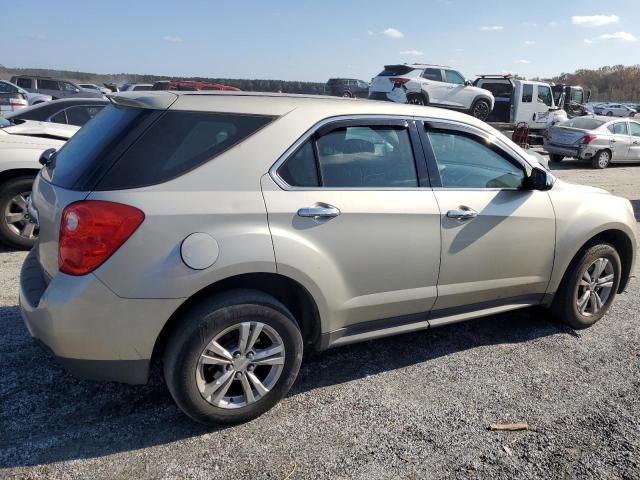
[
  {"x": 481, "y": 109},
  {"x": 417, "y": 99},
  {"x": 601, "y": 159},
  {"x": 556, "y": 158},
  {"x": 233, "y": 357},
  {"x": 347, "y": 94},
  {"x": 17, "y": 228},
  {"x": 609, "y": 114},
  {"x": 589, "y": 286}
]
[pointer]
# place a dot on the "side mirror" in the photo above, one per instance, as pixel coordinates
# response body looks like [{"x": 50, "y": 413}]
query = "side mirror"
[
  {"x": 539, "y": 179},
  {"x": 77, "y": 90},
  {"x": 47, "y": 158},
  {"x": 468, "y": 83}
]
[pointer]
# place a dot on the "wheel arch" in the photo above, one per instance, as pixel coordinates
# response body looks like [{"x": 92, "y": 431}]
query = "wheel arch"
[
  {"x": 17, "y": 172},
  {"x": 288, "y": 291}
]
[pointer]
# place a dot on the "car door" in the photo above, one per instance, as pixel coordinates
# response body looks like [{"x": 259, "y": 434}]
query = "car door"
[
  {"x": 543, "y": 103},
  {"x": 434, "y": 85},
  {"x": 350, "y": 211},
  {"x": 498, "y": 238},
  {"x": 620, "y": 142},
  {"x": 69, "y": 89},
  {"x": 457, "y": 94},
  {"x": 634, "y": 149}
]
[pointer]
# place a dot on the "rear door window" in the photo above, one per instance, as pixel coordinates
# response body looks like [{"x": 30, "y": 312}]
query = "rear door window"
[
  {"x": 434, "y": 74},
  {"x": 619, "y": 128},
  {"x": 634, "y": 129}
]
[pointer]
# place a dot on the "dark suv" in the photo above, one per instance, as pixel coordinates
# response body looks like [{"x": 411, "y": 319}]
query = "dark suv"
[
  {"x": 54, "y": 87},
  {"x": 347, "y": 87}
]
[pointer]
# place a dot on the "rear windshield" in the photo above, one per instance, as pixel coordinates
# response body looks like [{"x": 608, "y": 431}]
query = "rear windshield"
[
  {"x": 393, "y": 70},
  {"x": 129, "y": 147},
  {"x": 583, "y": 123}
]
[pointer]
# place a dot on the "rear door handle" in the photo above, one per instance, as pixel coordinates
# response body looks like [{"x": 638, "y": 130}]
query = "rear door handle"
[
  {"x": 321, "y": 211},
  {"x": 463, "y": 213}
]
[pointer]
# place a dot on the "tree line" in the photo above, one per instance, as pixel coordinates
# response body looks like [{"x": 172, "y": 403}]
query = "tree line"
[{"x": 616, "y": 83}]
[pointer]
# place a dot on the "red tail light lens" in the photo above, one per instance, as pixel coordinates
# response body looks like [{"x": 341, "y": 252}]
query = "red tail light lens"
[
  {"x": 91, "y": 231},
  {"x": 399, "y": 82},
  {"x": 587, "y": 139}
]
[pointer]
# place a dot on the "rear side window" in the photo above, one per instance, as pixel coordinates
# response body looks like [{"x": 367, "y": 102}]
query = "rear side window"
[
  {"x": 394, "y": 70},
  {"x": 143, "y": 87},
  {"x": 24, "y": 82},
  {"x": 619, "y": 128},
  {"x": 634, "y": 129},
  {"x": 48, "y": 85},
  {"x": 176, "y": 143},
  {"x": 434, "y": 74},
  {"x": 527, "y": 93},
  {"x": 301, "y": 169}
]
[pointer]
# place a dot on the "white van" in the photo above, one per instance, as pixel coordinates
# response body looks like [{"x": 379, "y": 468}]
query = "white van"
[{"x": 519, "y": 101}]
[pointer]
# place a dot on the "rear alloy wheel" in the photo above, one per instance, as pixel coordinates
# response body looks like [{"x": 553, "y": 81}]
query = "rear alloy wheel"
[
  {"x": 481, "y": 110},
  {"x": 602, "y": 159},
  {"x": 17, "y": 228},
  {"x": 233, "y": 357},
  {"x": 416, "y": 99},
  {"x": 556, "y": 158},
  {"x": 347, "y": 94},
  {"x": 589, "y": 287}
]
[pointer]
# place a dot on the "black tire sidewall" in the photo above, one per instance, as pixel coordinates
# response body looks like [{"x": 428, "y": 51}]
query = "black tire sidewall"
[
  {"x": 475, "y": 104},
  {"x": 8, "y": 190},
  {"x": 556, "y": 158},
  {"x": 596, "y": 160},
  {"x": 566, "y": 302},
  {"x": 183, "y": 353}
]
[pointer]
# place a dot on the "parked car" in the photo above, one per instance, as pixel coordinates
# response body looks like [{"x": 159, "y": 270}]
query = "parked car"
[
  {"x": 92, "y": 86},
  {"x": 20, "y": 148},
  {"x": 434, "y": 85},
  {"x": 53, "y": 87},
  {"x": 521, "y": 101},
  {"x": 598, "y": 139},
  {"x": 347, "y": 87},
  {"x": 72, "y": 111},
  {"x": 572, "y": 99},
  {"x": 13, "y": 98},
  {"x": 191, "y": 86},
  {"x": 302, "y": 223},
  {"x": 135, "y": 87},
  {"x": 614, "y": 110}
]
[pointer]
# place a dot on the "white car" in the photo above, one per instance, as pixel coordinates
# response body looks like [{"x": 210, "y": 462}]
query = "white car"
[
  {"x": 95, "y": 88},
  {"x": 20, "y": 148},
  {"x": 13, "y": 98},
  {"x": 433, "y": 85},
  {"x": 615, "y": 110}
]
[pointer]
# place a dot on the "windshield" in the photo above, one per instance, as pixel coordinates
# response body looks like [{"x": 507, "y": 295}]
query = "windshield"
[{"x": 583, "y": 123}]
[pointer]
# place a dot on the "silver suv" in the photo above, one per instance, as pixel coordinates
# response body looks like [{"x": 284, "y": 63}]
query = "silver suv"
[
  {"x": 435, "y": 85},
  {"x": 224, "y": 233}
]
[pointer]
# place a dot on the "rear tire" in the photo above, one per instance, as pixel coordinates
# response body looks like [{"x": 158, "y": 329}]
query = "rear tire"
[
  {"x": 555, "y": 158},
  {"x": 481, "y": 109},
  {"x": 15, "y": 223},
  {"x": 417, "y": 99},
  {"x": 192, "y": 368},
  {"x": 347, "y": 94},
  {"x": 609, "y": 114},
  {"x": 602, "y": 159},
  {"x": 582, "y": 280}
]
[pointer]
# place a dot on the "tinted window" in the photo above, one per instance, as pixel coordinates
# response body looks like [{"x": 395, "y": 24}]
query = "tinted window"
[
  {"x": 434, "y": 74},
  {"x": 393, "y": 70},
  {"x": 544, "y": 95},
  {"x": 7, "y": 88},
  {"x": 81, "y": 114},
  {"x": 527, "y": 93},
  {"x": 454, "y": 77},
  {"x": 300, "y": 170},
  {"x": 48, "y": 85},
  {"x": 634, "y": 129},
  {"x": 177, "y": 143},
  {"x": 577, "y": 96},
  {"x": 498, "y": 89},
  {"x": 69, "y": 87},
  {"x": 619, "y": 128},
  {"x": 24, "y": 82},
  {"x": 60, "y": 117},
  {"x": 368, "y": 156},
  {"x": 465, "y": 162}
]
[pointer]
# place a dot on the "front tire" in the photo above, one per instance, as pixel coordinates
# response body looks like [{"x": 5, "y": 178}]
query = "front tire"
[
  {"x": 481, "y": 109},
  {"x": 589, "y": 286},
  {"x": 233, "y": 357},
  {"x": 17, "y": 229},
  {"x": 555, "y": 158},
  {"x": 602, "y": 159}
]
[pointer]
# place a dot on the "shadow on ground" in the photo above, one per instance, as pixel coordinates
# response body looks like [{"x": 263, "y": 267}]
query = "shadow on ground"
[{"x": 49, "y": 416}]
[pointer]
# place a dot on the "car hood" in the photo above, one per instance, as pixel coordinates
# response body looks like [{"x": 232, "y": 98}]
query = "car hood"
[
  {"x": 42, "y": 129},
  {"x": 574, "y": 187}
]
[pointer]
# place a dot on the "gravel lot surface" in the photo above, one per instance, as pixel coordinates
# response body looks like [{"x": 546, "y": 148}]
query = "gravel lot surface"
[{"x": 414, "y": 406}]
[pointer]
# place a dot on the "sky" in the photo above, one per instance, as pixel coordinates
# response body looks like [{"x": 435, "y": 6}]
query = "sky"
[{"x": 316, "y": 40}]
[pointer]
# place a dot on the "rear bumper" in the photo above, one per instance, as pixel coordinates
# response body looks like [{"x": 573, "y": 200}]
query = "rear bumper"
[
  {"x": 92, "y": 332},
  {"x": 397, "y": 95},
  {"x": 583, "y": 152}
]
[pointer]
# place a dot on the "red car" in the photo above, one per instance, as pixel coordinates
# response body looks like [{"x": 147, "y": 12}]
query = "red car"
[{"x": 191, "y": 85}]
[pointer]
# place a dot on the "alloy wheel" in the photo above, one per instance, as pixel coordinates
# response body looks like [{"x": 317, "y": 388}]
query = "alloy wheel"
[
  {"x": 595, "y": 286},
  {"x": 17, "y": 218},
  {"x": 481, "y": 110},
  {"x": 603, "y": 159},
  {"x": 240, "y": 365}
]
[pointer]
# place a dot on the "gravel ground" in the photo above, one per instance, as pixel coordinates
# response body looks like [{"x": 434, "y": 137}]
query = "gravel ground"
[{"x": 413, "y": 406}]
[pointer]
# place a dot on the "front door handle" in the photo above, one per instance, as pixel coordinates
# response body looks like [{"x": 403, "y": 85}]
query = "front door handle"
[
  {"x": 463, "y": 213},
  {"x": 321, "y": 211}
]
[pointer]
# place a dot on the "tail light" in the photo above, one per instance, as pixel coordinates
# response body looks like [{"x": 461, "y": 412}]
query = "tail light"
[
  {"x": 399, "y": 82},
  {"x": 91, "y": 231},
  {"x": 587, "y": 139}
]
